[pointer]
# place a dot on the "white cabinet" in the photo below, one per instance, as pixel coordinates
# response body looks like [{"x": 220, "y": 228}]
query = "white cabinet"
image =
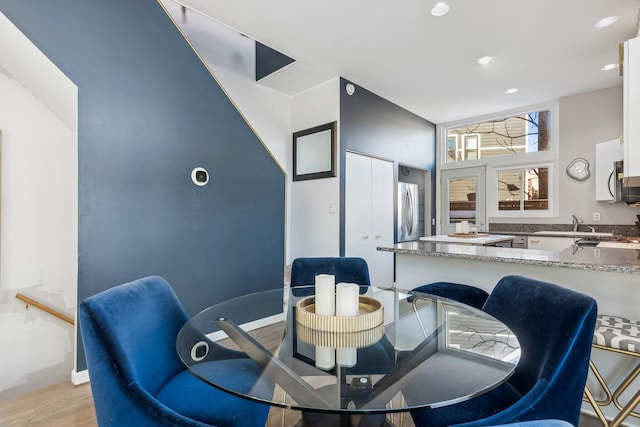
[
  {"x": 607, "y": 153},
  {"x": 549, "y": 243},
  {"x": 369, "y": 207},
  {"x": 631, "y": 82}
]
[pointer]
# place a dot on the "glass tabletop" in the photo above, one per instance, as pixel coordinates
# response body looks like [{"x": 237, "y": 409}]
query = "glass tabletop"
[{"x": 427, "y": 351}]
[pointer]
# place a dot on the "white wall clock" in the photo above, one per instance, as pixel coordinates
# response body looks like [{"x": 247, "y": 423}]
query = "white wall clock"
[{"x": 578, "y": 169}]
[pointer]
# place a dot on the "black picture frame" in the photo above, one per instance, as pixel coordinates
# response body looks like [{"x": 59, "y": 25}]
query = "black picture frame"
[{"x": 314, "y": 152}]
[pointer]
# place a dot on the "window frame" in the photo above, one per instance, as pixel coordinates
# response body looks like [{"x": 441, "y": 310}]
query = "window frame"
[
  {"x": 493, "y": 192},
  {"x": 528, "y": 160}
]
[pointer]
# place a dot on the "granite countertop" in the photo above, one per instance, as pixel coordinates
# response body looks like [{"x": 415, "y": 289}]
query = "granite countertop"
[
  {"x": 614, "y": 260},
  {"x": 478, "y": 239}
]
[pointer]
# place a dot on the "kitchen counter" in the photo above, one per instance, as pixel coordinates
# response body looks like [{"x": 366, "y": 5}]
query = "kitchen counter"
[
  {"x": 610, "y": 275},
  {"x": 479, "y": 239},
  {"x": 616, "y": 260}
]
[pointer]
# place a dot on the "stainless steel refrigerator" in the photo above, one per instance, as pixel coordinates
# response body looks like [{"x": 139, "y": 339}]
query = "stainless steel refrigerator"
[{"x": 407, "y": 212}]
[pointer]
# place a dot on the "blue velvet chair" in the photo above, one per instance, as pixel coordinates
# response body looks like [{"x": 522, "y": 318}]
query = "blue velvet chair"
[
  {"x": 345, "y": 269},
  {"x": 137, "y": 378},
  {"x": 466, "y": 294},
  {"x": 538, "y": 423},
  {"x": 555, "y": 328}
]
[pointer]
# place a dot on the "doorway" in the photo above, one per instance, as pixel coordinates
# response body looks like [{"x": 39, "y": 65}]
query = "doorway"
[{"x": 463, "y": 198}]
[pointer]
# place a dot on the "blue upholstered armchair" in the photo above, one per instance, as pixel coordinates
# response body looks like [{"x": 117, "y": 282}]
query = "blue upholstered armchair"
[
  {"x": 466, "y": 294},
  {"x": 555, "y": 328},
  {"x": 345, "y": 269},
  {"x": 137, "y": 379}
]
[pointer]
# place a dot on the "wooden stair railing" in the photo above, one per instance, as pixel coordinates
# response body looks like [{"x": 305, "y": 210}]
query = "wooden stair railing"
[{"x": 45, "y": 308}]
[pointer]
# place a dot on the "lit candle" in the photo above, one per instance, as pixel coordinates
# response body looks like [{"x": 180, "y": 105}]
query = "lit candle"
[
  {"x": 347, "y": 299},
  {"x": 347, "y": 304},
  {"x": 325, "y": 294}
]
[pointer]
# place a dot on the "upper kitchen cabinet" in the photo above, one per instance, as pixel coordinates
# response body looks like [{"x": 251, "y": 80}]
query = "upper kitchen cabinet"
[{"x": 631, "y": 81}]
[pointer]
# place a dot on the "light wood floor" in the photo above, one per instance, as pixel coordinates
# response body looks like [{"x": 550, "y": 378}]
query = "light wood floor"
[{"x": 66, "y": 405}]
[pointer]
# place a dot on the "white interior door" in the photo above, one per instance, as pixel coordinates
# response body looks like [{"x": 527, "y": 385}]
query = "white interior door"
[
  {"x": 382, "y": 207},
  {"x": 369, "y": 204},
  {"x": 357, "y": 224},
  {"x": 463, "y": 198}
]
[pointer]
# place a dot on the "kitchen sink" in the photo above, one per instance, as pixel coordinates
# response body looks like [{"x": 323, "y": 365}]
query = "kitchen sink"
[{"x": 574, "y": 233}]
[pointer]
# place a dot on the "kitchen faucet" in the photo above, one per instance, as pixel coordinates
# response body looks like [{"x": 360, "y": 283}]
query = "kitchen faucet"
[{"x": 576, "y": 222}]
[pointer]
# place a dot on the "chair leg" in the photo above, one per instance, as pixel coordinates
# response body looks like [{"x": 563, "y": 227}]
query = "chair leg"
[
  {"x": 622, "y": 387},
  {"x": 596, "y": 407},
  {"x": 603, "y": 385},
  {"x": 626, "y": 411}
]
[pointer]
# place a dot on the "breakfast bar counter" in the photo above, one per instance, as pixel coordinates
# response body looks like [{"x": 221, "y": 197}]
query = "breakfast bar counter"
[
  {"x": 479, "y": 239},
  {"x": 610, "y": 275}
]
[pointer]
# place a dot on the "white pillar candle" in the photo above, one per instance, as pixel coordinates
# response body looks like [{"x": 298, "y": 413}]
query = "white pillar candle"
[
  {"x": 325, "y": 294},
  {"x": 347, "y": 357},
  {"x": 347, "y": 299},
  {"x": 347, "y": 304},
  {"x": 325, "y": 357},
  {"x": 465, "y": 227},
  {"x": 458, "y": 228}
]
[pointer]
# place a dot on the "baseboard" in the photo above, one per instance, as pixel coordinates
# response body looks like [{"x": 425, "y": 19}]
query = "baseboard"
[
  {"x": 81, "y": 377},
  {"x": 218, "y": 335}
]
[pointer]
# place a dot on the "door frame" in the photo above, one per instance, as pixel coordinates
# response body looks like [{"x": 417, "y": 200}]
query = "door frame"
[{"x": 479, "y": 173}]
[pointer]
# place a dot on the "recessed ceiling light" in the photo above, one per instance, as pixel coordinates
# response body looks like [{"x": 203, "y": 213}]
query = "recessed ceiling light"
[
  {"x": 511, "y": 90},
  {"x": 440, "y": 9},
  {"x": 605, "y": 22},
  {"x": 609, "y": 67},
  {"x": 484, "y": 60}
]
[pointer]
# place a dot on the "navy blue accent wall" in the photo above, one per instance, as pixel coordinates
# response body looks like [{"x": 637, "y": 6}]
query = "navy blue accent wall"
[
  {"x": 149, "y": 112},
  {"x": 372, "y": 125},
  {"x": 269, "y": 61}
]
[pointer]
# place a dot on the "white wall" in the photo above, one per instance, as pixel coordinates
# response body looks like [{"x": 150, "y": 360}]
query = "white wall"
[
  {"x": 586, "y": 120},
  {"x": 314, "y": 231},
  {"x": 38, "y": 113}
]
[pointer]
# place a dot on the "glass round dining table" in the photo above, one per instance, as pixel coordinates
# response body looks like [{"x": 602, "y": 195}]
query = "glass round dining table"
[{"x": 426, "y": 352}]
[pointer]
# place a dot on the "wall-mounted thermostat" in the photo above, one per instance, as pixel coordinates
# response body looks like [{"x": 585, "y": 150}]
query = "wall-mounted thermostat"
[{"x": 200, "y": 176}]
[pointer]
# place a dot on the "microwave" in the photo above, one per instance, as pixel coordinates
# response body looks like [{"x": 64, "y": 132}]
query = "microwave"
[{"x": 622, "y": 193}]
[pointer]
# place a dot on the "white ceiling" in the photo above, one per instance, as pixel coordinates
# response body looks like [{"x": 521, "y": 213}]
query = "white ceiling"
[{"x": 548, "y": 49}]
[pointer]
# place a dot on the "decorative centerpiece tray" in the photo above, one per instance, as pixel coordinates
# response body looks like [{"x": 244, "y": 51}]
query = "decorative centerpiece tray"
[
  {"x": 357, "y": 339},
  {"x": 370, "y": 314}
]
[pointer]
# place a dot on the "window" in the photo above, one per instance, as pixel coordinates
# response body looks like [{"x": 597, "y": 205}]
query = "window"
[
  {"x": 522, "y": 189},
  {"x": 517, "y": 134},
  {"x": 518, "y": 152}
]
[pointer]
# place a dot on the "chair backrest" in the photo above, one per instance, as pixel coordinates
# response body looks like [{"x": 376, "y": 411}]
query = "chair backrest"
[
  {"x": 345, "y": 269},
  {"x": 129, "y": 334},
  {"x": 555, "y": 328}
]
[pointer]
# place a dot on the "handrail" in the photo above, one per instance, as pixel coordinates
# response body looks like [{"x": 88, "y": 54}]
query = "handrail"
[{"x": 43, "y": 307}]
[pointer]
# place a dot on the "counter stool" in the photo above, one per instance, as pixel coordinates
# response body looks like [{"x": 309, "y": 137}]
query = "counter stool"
[{"x": 620, "y": 335}]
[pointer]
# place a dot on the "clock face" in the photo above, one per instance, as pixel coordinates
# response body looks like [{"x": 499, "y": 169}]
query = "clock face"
[{"x": 578, "y": 169}]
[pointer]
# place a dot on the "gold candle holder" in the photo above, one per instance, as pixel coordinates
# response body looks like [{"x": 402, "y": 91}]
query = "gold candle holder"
[{"x": 370, "y": 314}]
